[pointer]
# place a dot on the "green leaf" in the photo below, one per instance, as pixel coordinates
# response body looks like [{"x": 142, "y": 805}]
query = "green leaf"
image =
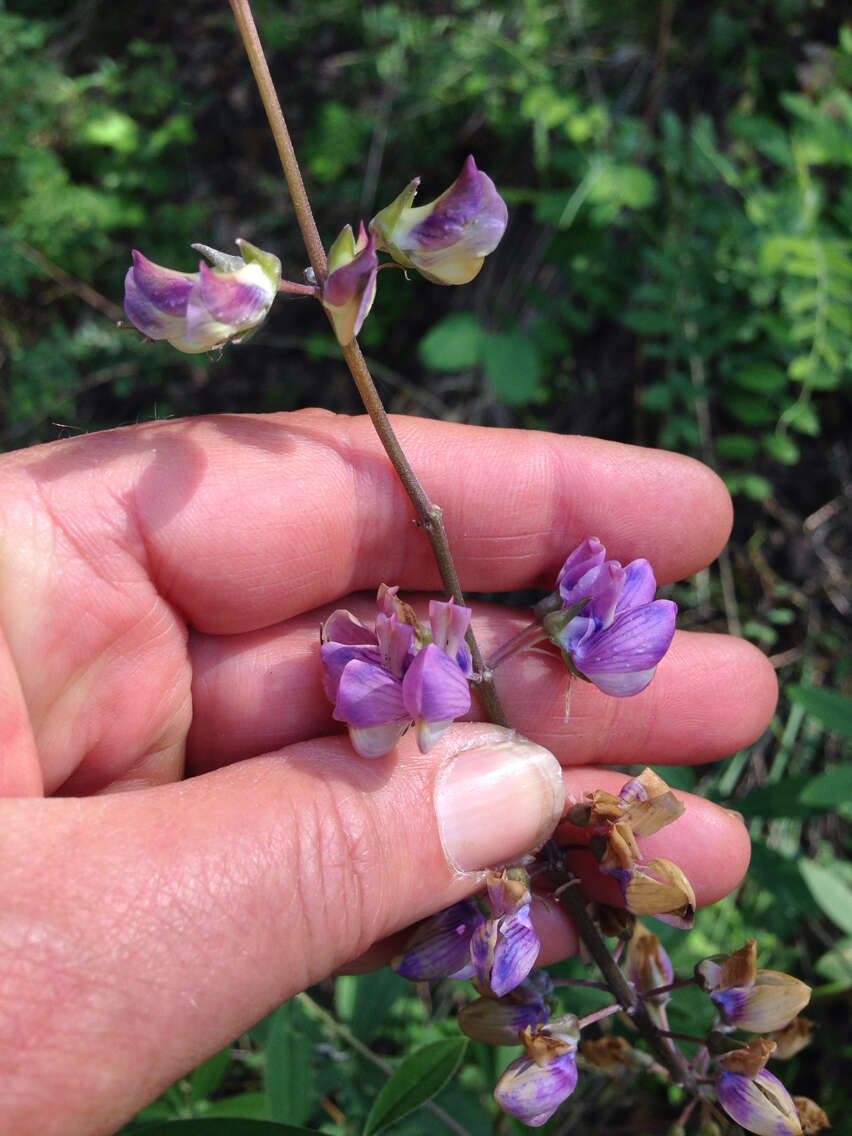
[
  {"x": 452, "y": 344},
  {"x": 420, "y": 1077},
  {"x": 246, "y": 1106},
  {"x": 801, "y": 416},
  {"x": 289, "y": 1072},
  {"x": 225, "y": 1126},
  {"x": 761, "y": 378},
  {"x": 831, "y": 895},
  {"x": 836, "y": 965},
  {"x": 512, "y": 364},
  {"x": 830, "y": 791},
  {"x": 833, "y": 709},
  {"x": 206, "y": 1077},
  {"x": 782, "y": 448},
  {"x": 364, "y": 1001},
  {"x": 736, "y": 447},
  {"x": 780, "y": 800}
]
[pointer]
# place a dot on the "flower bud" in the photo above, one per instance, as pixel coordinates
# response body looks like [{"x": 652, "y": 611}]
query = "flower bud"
[
  {"x": 350, "y": 286},
  {"x": 447, "y": 240},
  {"x": 204, "y": 310}
]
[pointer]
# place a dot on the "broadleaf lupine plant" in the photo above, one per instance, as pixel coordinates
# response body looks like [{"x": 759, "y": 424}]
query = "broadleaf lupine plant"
[{"x": 604, "y": 620}]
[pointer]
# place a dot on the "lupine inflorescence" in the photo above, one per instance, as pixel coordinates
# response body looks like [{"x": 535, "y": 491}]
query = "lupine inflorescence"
[{"x": 610, "y": 629}]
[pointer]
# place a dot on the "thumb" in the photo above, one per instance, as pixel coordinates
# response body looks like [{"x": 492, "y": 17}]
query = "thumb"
[{"x": 155, "y": 926}]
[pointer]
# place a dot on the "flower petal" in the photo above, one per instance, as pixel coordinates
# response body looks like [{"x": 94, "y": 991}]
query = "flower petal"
[
  {"x": 640, "y": 585},
  {"x": 376, "y": 741},
  {"x": 533, "y": 1092},
  {"x": 760, "y": 1104},
  {"x": 368, "y": 696},
  {"x": 239, "y": 299},
  {"x": 515, "y": 953},
  {"x": 166, "y": 288},
  {"x": 440, "y": 946},
  {"x": 434, "y": 687},
  {"x": 633, "y": 644},
  {"x": 145, "y": 316}
]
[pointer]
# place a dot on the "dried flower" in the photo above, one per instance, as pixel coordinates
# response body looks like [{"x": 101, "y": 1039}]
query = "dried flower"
[
  {"x": 759, "y": 1001},
  {"x": 448, "y": 239},
  {"x": 812, "y": 1118},
  {"x": 658, "y": 888},
  {"x": 500, "y": 1021},
  {"x": 648, "y": 965},
  {"x": 204, "y": 310}
]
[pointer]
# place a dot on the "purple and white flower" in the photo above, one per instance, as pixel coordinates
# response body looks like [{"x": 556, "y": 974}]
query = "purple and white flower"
[
  {"x": 611, "y": 630},
  {"x": 501, "y": 1021},
  {"x": 384, "y": 679},
  {"x": 532, "y": 1087},
  {"x": 350, "y": 286},
  {"x": 448, "y": 239},
  {"x": 204, "y": 310},
  {"x": 505, "y": 946},
  {"x": 760, "y": 1103},
  {"x": 440, "y": 946}
]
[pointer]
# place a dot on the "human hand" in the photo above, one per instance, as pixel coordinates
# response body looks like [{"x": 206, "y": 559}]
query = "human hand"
[{"x": 161, "y": 590}]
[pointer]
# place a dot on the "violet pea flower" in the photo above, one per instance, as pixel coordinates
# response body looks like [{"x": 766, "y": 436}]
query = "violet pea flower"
[
  {"x": 440, "y": 946},
  {"x": 350, "y": 286},
  {"x": 448, "y": 239},
  {"x": 204, "y": 310},
  {"x": 532, "y": 1087},
  {"x": 760, "y": 1104},
  {"x": 382, "y": 680},
  {"x": 505, "y": 947},
  {"x": 611, "y": 629}
]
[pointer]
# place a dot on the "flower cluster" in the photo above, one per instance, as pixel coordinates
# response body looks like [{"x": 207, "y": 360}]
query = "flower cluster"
[
  {"x": 383, "y": 679},
  {"x": 644, "y": 805},
  {"x": 446, "y": 241},
  {"x": 610, "y": 628}
]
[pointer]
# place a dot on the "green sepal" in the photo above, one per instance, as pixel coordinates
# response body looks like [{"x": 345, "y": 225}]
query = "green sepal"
[
  {"x": 268, "y": 261},
  {"x": 387, "y": 219}
]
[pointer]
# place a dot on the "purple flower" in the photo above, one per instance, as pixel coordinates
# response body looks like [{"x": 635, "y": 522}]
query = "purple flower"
[
  {"x": 760, "y": 1001},
  {"x": 381, "y": 681},
  {"x": 200, "y": 311},
  {"x": 504, "y": 947},
  {"x": 760, "y": 1103},
  {"x": 448, "y": 239},
  {"x": 611, "y": 630},
  {"x": 440, "y": 946},
  {"x": 350, "y": 286},
  {"x": 535, "y": 1085}
]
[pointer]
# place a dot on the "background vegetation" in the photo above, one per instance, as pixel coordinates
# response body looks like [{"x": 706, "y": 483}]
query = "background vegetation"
[{"x": 677, "y": 272}]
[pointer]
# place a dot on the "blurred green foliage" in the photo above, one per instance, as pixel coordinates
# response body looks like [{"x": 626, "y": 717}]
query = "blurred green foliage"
[{"x": 677, "y": 272}]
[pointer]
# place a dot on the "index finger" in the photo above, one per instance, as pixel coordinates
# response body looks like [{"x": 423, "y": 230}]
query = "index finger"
[{"x": 248, "y": 520}]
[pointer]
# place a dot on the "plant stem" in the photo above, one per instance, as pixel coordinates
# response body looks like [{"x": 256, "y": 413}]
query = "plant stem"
[
  {"x": 671, "y": 986},
  {"x": 571, "y": 899},
  {"x": 579, "y": 982},
  {"x": 530, "y": 635},
  {"x": 292, "y": 172},
  {"x": 429, "y": 515},
  {"x": 597, "y": 1015}
]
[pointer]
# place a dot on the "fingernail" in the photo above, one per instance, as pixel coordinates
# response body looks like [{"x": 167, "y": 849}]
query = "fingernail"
[{"x": 498, "y": 801}]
